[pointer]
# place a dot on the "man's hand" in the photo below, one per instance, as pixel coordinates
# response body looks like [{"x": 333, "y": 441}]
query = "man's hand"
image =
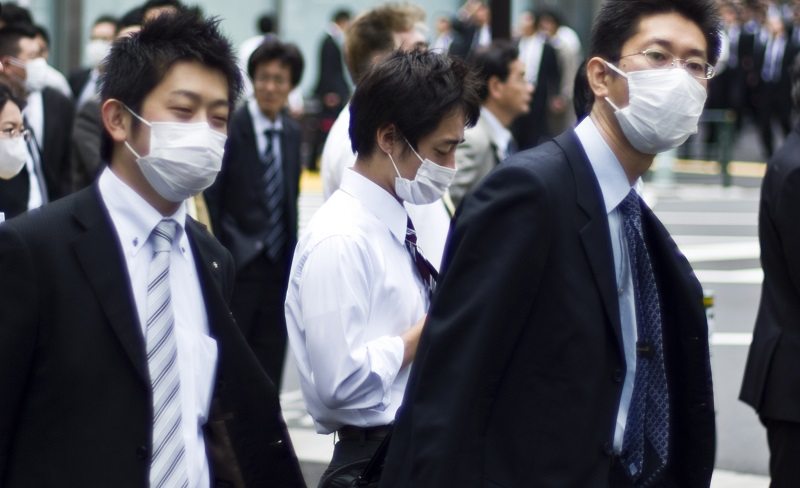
[{"x": 411, "y": 341}]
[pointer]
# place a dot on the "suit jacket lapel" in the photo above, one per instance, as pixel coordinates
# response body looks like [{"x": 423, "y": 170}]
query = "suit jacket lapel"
[
  {"x": 594, "y": 233},
  {"x": 100, "y": 254},
  {"x": 212, "y": 280}
]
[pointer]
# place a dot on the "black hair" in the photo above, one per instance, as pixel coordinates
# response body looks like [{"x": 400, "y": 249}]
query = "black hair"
[
  {"x": 414, "y": 91},
  {"x": 545, "y": 12},
  {"x": 137, "y": 64},
  {"x": 42, "y": 31},
  {"x": 341, "y": 15},
  {"x": 14, "y": 14},
  {"x": 10, "y": 36},
  {"x": 582, "y": 95},
  {"x": 266, "y": 24},
  {"x": 274, "y": 50},
  {"x": 492, "y": 60},
  {"x": 152, "y": 4},
  {"x": 618, "y": 20},
  {"x": 8, "y": 94},
  {"x": 105, "y": 19},
  {"x": 134, "y": 16}
]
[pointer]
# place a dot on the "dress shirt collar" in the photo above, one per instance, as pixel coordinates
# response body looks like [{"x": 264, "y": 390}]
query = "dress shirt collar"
[
  {"x": 501, "y": 136},
  {"x": 612, "y": 179},
  {"x": 133, "y": 217},
  {"x": 377, "y": 201},
  {"x": 260, "y": 121}
]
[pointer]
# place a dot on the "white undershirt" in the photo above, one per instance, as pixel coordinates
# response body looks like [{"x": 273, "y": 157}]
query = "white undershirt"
[{"x": 134, "y": 219}]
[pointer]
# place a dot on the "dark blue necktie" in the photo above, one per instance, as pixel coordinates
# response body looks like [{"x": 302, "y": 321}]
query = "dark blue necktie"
[
  {"x": 426, "y": 271},
  {"x": 648, "y": 414},
  {"x": 273, "y": 189}
]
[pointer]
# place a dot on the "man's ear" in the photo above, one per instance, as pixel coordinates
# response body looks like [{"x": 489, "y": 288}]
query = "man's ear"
[
  {"x": 385, "y": 138},
  {"x": 494, "y": 87},
  {"x": 116, "y": 119},
  {"x": 598, "y": 75}
]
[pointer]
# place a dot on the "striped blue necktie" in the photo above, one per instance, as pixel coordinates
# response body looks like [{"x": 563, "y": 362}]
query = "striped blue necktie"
[
  {"x": 648, "y": 414},
  {"x": 273, "y": 189},
  {"x": 168, "y": 462}
]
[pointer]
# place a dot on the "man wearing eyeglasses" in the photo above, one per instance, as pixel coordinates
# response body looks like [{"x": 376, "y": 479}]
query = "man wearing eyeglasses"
[{"x": 567, "y": 343}]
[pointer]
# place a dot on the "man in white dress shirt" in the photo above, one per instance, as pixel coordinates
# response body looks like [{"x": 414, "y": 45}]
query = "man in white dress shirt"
[
  {"x": 359, "y": 287},
  {"x": 371, "y": 37}
]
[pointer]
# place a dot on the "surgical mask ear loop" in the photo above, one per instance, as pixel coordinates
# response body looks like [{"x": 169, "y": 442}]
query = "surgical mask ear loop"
[
  {"x": 393, "y": 164},
  {"x": 412, "y": 149},
  {"x": 622, "y": 74},
  {"x": 141, "y": 120}
]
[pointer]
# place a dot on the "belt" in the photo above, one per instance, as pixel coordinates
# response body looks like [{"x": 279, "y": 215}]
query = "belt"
[{"x": 351, "y": 433}]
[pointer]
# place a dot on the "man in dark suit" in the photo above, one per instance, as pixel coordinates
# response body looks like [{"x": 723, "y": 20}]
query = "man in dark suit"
[
  {"x": 253, "y": 203},
  {"x": 772, "y": 373},
  {"x": 83, "y": 82},
  {"x": 541, "y": 69},
  {"x": 774, "y": 90},
  {"x": 125, "y": 368},
  {"x": 572, "y": 351},
  {"x": 48, "y": 113},
  {"x": 333, "y": 89}
]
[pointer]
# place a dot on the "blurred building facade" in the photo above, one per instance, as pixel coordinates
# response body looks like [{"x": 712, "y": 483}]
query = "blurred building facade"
[{"x": 299, "y": 21}]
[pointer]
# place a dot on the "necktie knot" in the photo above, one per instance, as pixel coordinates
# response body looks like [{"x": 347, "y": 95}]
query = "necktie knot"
[
  {"x": 631, "y": 209},
  {"x": 411, "y": 233},
  {"x": 163, "y": 235}
]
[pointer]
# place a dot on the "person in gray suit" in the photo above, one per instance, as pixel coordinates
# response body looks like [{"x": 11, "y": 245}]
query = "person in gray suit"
[{"x": 505, "y": 94}]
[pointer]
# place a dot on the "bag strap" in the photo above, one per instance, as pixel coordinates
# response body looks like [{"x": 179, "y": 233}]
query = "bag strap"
[{"x": 372, "y": 471}]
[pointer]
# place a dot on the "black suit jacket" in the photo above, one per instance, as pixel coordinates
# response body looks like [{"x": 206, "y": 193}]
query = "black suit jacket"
[
  {"x": 331, "y": 71},
  {"x": 237, "y": 202},
  {"x": 76, "y": 408},
  {"x": 531, "y": 128},
  {"x": 77, "y": 81},
  {"x": 772, "y": 373},
  {"x": 518, "y": 376},
  {"x": 59, "y": 115}
]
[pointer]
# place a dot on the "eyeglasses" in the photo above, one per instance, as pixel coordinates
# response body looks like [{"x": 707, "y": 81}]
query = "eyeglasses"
[
  {"x": 12, "y": 133},
  {"x": 658, "y": 59}
]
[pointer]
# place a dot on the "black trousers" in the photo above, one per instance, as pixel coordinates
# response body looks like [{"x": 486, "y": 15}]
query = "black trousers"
[
  {"x": 348, "y": 451},
  {"x": 257, "y": 306},
  {"x": 784, "y": 451}
]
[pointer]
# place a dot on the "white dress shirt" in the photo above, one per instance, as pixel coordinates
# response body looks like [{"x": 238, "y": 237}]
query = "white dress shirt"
[
  {"x": 530, "y": 52},
  {"x": 501, "y": 136},
  {"x": 34, "y": 115},
  {"x": 431, "y": 221},
  {"x": 615, "y": 187},
  {"x": 353, "y": 290},
  {"x": 134, "y": 219},
  {"x": 337, "y": 154},
  {"x": 260, "y": 124}
]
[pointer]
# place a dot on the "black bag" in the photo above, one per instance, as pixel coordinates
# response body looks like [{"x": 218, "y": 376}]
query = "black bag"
[{"x": 364, "y": 473}]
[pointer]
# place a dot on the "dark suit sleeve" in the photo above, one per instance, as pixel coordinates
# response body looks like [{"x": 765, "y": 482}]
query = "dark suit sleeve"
[
  {"x": 18, "y": 303},
  {"x": 493, "y": 265},
  {"x": 786, "y": 218},
  {"x": 85, "y": 150}
]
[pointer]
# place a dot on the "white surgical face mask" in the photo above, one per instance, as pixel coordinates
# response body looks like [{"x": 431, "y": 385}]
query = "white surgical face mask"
[
  {"x": 96, "y": 51},
  {"x": 428, "y": 185},
  {"x": 664, "y": 106},
  {"x": 36, "y": 74},
  {"x": 13, "y": 155},
  {"x": 184, "y": 158}
]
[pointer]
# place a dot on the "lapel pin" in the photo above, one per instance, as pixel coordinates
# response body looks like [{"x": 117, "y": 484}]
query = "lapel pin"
[{"x": 214, "y": 264}]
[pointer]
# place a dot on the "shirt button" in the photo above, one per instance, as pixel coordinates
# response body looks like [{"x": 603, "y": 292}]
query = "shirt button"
[{"x": 618, "y": 376}]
